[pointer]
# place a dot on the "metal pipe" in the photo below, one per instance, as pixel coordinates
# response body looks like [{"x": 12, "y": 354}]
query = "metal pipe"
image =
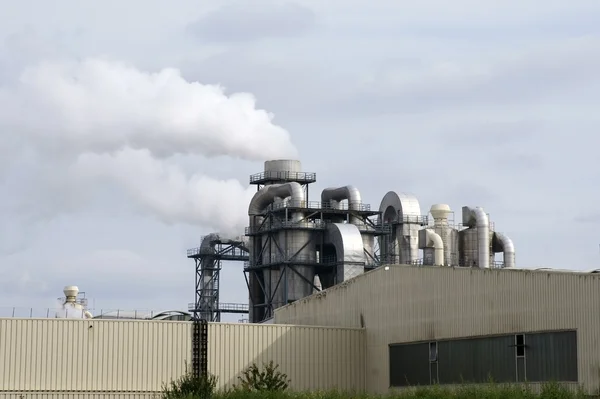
[
  {"x": 431, "y": 239},
  {"x": 333, "y": 195},
  {"x": 508, "y": 250},
  {"x": 483, "y": 233},
  {"x": 267, "y": 195}
]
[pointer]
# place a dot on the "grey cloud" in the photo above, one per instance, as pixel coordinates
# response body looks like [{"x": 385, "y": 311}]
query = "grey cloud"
[
  {"x": 245, "y": 21},
  {"x": 542, "y": 73}
]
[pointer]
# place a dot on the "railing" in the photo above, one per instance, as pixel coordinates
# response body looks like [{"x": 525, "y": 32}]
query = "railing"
[
  {"x": 43, "y": 313},
  {"x": 416, "y": 219},
  {"x": 318, "y": 205},
  {"x": 284, "y": 175},
  {"x": 297, "y": 260},
  {"x": 225, "y": 307},
  {"x": 313, "y": 224},
  {"x": 278, "y": 224},
  {"x": 231, "y": 252}
]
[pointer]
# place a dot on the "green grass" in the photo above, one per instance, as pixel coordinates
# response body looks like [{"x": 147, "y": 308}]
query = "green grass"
[{"x": 548, "y": 391}]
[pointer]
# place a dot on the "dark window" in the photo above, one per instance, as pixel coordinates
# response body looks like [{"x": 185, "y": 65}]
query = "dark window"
[
  {"x": 520, "y": 344},
  {"x": 477, "y": 360},
  {"x": 552, "y": 356},
  {"x": 433, "y": 352},
  {"x": 409, "y": 365}
]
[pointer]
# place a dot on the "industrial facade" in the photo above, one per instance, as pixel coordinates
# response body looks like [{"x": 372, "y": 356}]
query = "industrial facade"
[
  {"x": 449, "y": 325},
  {"x": 294, "y": 247},
  {"x": 358, "y": 299},
  {"x": 115, "y": 358}
]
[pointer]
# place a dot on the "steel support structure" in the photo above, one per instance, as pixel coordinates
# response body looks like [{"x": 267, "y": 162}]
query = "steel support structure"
[
  {"x": 276, "y": 259},
  {"x": 200, "y": 348},
  {"x": 208, "y": 257}
]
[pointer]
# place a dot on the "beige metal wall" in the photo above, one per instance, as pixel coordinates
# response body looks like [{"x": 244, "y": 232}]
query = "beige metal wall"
[
  {"x": 57, "y": 356},
  {"x": 405, "y": 304},
  {"x": 313, "y": 358}
]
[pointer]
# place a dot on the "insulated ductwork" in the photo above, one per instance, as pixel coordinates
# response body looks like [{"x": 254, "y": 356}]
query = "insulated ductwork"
[
  {"x": 348, "y": 244},
  {"x": 404, "y": 213},
  {"x": 331, "y": 197},
  {"x": 508, "y": 250},
  {"x": 476, "y": 217},
  {"x": 267, "y": 195},
  {"x": 432, "y": 244}
]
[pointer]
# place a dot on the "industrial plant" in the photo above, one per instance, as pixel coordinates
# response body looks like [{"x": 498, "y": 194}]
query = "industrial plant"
[
  {"x": 340, "y": 296},
  {"x": 294, "y": 247}
]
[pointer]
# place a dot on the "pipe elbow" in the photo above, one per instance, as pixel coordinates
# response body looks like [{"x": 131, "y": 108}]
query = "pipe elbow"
[
  {"x": 350, "y": 193},
  {"x": 508, "y": 250},
  {"x": 267, "y": 195}
]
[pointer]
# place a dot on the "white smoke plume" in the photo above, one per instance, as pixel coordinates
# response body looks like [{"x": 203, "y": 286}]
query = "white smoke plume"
[
  {"x": 166, "y": 192},
  {"x": 108, "y": 120},
  {"x": 102, "y": 106}
]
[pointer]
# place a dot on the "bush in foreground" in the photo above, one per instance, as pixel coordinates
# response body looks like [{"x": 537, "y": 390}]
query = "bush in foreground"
[{"x": 190, "y": 386}]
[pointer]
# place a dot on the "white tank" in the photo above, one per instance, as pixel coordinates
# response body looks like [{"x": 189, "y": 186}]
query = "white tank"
[
  {"x": 71, "y": 309},
  {"x": 283, "y": 165},
  {"x": 447, "y": 232}
]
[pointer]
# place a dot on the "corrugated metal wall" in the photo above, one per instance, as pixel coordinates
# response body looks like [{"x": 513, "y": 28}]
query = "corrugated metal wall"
[
  {"x": 62, "y": 355},
  {"x": 409, "y": 304},
  {"x": 313, "y": 358}
]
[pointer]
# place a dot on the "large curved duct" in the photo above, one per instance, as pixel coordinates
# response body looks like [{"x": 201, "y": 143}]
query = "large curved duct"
[
  {"x": 267, "y": 195},
  {"x": 508, "y": 250},
  {"x": 429, "y": 239},
  {"x": 348, "y": 244},
  {"x": 476, "y": 217},
  {"x": 332, "y": 196},
  {"x": 403, "y": 211}
]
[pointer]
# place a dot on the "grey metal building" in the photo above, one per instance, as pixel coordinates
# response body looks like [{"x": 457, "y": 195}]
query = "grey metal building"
[{"x": 427, "y": 324}]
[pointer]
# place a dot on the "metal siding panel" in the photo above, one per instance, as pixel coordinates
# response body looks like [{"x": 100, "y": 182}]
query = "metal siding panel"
[
  {"x": 405, "y": 304},
  {"x": 97, "y": 355},
  {"x": 305, "y": 354},
  {"x": 409, "y": 365},
  {"x": 551, "y": 356}
]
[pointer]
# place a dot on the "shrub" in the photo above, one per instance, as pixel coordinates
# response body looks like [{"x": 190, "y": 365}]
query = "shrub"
[
  {"x": 190, "y": 386},
  {"x": 270, "y": 379}
]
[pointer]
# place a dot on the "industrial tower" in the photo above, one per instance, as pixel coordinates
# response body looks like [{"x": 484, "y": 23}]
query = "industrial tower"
[
  {"x": 299, "y": 246},
  {"x": 208, "y": 256}
]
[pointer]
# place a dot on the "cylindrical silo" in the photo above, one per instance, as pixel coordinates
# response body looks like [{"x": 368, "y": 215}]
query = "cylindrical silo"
[
  {"x": 447, "y": 232},
  {"x": 369, "y": 248},
  {"x": 299, "y": 280},
  {"x": 468, "y": 247}
]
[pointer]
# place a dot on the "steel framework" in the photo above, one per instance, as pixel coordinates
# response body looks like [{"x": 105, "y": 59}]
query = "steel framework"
[
  {"x": 208, "y": 257},
  {"x": 281, "y": 254}
]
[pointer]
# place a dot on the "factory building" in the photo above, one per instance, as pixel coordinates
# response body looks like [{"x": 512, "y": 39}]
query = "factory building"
[
  {"x": 341, "y": 296},
  {"x": 449, "y": 325},
  {"x": 294, "y": 247}
]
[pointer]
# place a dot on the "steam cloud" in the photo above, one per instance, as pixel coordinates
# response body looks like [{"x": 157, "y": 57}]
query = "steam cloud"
[{"x": 112, "y": 121}]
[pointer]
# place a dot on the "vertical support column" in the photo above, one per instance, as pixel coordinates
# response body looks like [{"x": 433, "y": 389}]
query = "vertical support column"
[{"x": 200, "y": 348}]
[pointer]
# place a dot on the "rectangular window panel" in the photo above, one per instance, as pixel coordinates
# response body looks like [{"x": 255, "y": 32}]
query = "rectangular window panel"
[
  {"x": 409, "y": 364},
  {"x": 552, "y": 356},
  {"x": 477, "y": 360}
]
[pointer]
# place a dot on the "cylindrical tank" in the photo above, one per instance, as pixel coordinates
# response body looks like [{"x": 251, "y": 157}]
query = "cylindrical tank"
[
  {"x": 282, "y": 168},
  {"x": 468, "y": 248},
  {"x": 407, "y": 235},
  {"x": 300, "y": 244},
  {"x": 448, "y": 234},
  {"x": 369, "y": 247},
  {"x": 70, "y": 308}
]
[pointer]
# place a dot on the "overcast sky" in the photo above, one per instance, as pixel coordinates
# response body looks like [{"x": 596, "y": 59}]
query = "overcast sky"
[{"x": 129, "y": 129}]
